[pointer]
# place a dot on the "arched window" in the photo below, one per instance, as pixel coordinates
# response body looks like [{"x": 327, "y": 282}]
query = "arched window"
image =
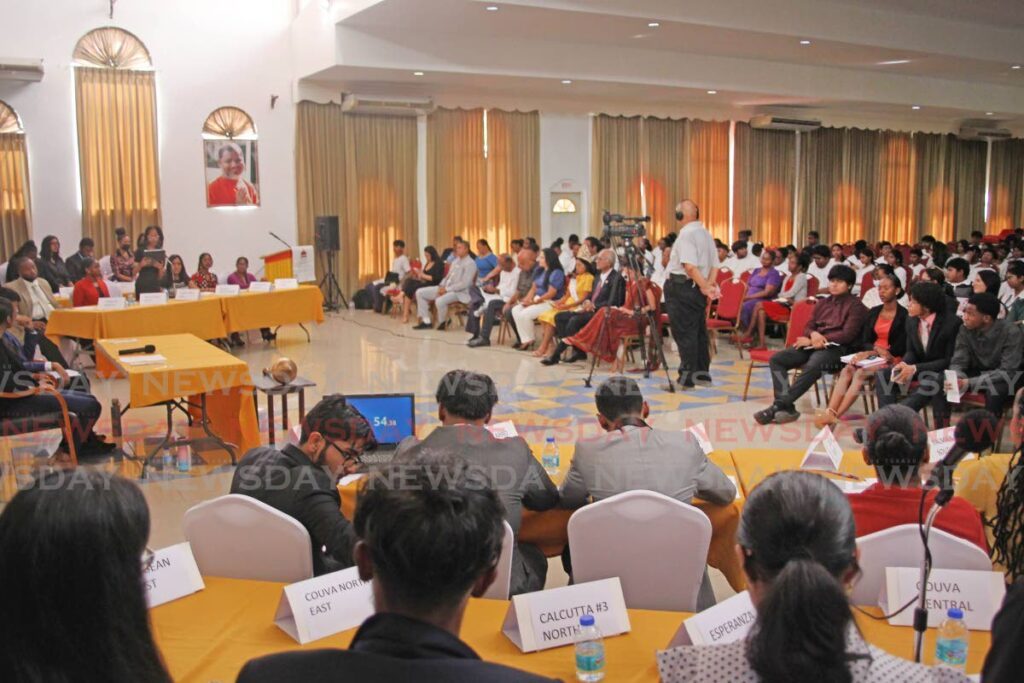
[
  {"x": 115, "y": 96},
  {"x": 564, "y": 205},
  {"x": 15, "y": 204},
  {"x": 232, "y": 163}
]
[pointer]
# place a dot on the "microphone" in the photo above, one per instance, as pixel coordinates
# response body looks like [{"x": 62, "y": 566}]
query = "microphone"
[
  {"x": 148, "y": 348},
  {"x": 279, "y": 239},
  {"x": 975, "y": 432}
]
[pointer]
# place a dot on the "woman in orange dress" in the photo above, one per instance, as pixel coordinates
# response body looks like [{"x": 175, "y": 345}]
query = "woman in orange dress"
[{"x": 623, "y": 321}]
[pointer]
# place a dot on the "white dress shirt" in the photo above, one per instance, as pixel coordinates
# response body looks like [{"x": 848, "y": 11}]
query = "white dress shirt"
[
  {"x": 401, "y": 266},
  {"x": 738, "y": 266},
  {"x": 695, "y": 246},
  {"x": 41, "y": 307}
]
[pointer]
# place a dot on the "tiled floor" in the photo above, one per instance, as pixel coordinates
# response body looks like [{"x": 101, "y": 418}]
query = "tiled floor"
[{"x": 360, "y": 352}]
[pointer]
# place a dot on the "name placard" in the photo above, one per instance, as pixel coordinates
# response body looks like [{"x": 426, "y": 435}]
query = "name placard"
[
  {"x": 260, "y": 286},
  {"x": 824, "y": 453},
  {"x": 108, "y": 303},
  {"x": 286, "y": 283},
  {"x": 187, "y": 294},
  {"x": 952, "y": 386},
  {"x": 152, "y": 298},
  {"x": 941, "y": 442},
  {"x": 727, "y": 621},
  {"x": 227, "y": 290},
  {"x": 551, "y": 618},
  {"x": 701, "y": 434},
  {"x": 978, "y": 594},
  {"x": 502, "y": 430},
  {"x": 65, "y": 292},
  {"x": 324, "y": 605},
  {"x": 173, "y": 574}
]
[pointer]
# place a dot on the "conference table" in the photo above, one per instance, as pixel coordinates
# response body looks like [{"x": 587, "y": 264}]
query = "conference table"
[
  {"x": 213, "y": 316},
  {"x": 548, "y": 530},
  {"x": 193, "y": 368},
  {"x": 210, "y": 635},
  {"x": 753, "y": 465}
]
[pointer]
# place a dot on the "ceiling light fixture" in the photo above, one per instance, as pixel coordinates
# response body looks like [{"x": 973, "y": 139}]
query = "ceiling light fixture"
[
  {"x": 1015, "y": 66},
  {"x": 566, "y": 82},
  {"x": 417, "y": 73},
  {"x": 805, "y": 42},
  {"x": 894, "y": 61},
  {"x": 492, "y": 8},
  {"x": 712, "y": 92},
  {"x": 916, "y": 107},
  {"x": 989, "y": 113},
  {"x": 653, "y": 24}
]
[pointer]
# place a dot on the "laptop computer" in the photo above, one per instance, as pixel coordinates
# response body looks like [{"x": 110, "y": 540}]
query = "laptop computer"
[{"x": 391, "y": 416}]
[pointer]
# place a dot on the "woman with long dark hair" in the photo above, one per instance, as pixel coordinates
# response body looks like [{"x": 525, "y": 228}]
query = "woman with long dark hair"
[
  {"x": 797, "y": 542},
  {"x": 548, "y": 287},
  {"x": 26, "y": 250},
  {"x": 204, "y": 278},
  {"x": 51, "y": 265},
  {"x": 72, "y": 562},
  {"x": 175, "y": 275},
  {"x": 581, "y": 283},
  {"x": 430, "y": 272}
]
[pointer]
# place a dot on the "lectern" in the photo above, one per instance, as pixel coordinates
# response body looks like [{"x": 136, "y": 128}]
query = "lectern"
[{"x": 277, "y": 265}]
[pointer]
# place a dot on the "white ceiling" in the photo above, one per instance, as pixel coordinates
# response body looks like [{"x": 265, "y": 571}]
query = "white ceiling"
[{"x": 959, "y": 53}]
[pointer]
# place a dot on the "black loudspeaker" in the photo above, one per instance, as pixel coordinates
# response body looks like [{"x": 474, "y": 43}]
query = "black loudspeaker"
[{"x": 325, "y": 231}]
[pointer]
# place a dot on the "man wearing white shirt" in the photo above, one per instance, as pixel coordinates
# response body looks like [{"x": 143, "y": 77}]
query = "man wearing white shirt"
[
  {"x": 494, "y": 297},
  {"x": 741, "y": 260},
  {"x": 567, "y": 257},
  {"x": 36, "y": 302},
  {"x": 399, "y": 269},
  {"x": 821, "y": 264}
]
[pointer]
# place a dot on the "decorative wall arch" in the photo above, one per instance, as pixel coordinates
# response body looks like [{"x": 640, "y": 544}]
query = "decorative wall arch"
[
  {"x": 230, "y": 122},
  {"x": 110, "y": 47}
]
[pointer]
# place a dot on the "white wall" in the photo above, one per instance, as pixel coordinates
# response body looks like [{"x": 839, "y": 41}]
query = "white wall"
[{"x": 206, "y": 54}]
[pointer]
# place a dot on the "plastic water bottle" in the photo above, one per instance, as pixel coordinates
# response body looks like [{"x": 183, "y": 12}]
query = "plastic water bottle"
[
  {"x": 589, "y": 651},
  {"x": 951, "y": 643},
  {"x": 549, "y": 456},
  {"x": 184, "y": 456},
  {"x": 167, "y": 459}
]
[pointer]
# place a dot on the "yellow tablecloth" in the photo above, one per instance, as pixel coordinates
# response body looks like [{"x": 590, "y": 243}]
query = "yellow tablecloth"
[
  {"x": 210, "y": 635},
  {"x": 193, "y": 367},
  {"x": 753, "y": 465},
  {"x": 203, "y": 318},
  {"x": 253, "y": 310},
  {"x": 549, "y": 530}
]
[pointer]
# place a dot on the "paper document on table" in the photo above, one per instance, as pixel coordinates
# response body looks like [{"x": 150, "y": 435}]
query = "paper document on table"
[
  {"x": 869, "y": 362},
  {"x": 151, "y": 359}
]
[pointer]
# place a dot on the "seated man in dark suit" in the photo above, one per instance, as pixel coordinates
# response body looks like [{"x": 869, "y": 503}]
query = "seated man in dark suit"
[
  {"x": 302, "y": 481},
  {"x": 634, "y": 456},
  {"x": 609, "y": 290},
  {"x": 465, "y": 401},
  {"x": 931, "y": 336},
  {"x": 430, "y": 536}
]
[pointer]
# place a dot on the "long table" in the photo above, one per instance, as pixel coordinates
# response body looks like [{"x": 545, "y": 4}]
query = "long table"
[
  {"x": 753, "y": 465},
  {"x": 211, "y": 317},
  {"x": 548, "y": 530},
  {"x": 210, "y": 635}
]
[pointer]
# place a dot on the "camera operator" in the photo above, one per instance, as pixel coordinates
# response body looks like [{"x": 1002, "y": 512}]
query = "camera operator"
[{"x": 692, "y": 269}]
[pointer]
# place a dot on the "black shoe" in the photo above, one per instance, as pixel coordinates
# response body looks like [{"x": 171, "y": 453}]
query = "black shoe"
[
  {"x": 550, "y": 360},
  {"x": 766, "y": 416},
  {"x": 784, "y": 416},
  {"x": 477, "y": 342},
  {"x": 423, "y": 326},
  {"x": 702, "y": 378},
  {"x": 576, "y": 356},
  {"x": 444, "y": 325}
]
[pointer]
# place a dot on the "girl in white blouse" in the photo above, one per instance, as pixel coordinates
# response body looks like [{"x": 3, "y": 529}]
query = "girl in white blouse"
[{"x": 797, "y": 542}]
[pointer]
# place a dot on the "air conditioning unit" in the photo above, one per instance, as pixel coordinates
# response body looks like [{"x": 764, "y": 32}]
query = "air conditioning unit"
[
  {"x": 982, "y": 133},
  {"x": 784, "y": 123},
  {"x": 395, "y": 106},
  {"x": 21, "y": 70}
]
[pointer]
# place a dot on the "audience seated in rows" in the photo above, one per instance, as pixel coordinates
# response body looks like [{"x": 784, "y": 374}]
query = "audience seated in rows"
[
  {"x": 549, "y": 285},
  {"x": 489, "y": 300},
  {"x": 633, "y": 456},
  {"x": 453, "y": 288},
  {"x": 429, "y": 533},
  {"x": 609, "y": 290},
  {"x": 741, "y": 260},
  {"x": 895, "y": 443},
  {"x": 581, "y": 284},
  {"x": 73, "y": 561},
  {"x": 777, "y": 310},
  {"x": 465, "y": 401},
  {"x": 797, "y": 543},
  {"x": 301, "y": 480}
]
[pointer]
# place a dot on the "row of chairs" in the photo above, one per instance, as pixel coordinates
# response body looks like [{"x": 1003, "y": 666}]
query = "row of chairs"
[{"x": 237, "y": 536}]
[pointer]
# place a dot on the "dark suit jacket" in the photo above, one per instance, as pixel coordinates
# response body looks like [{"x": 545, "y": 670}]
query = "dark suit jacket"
[
  {"x": 1005, "y": 660},
  {"x": 13, "y": 374},
  {"x": 897, "y": 333},
  {"x": 75, "y": 266},
  {"x": 613, "y": 293},
  {"x": 288, "y": 481},
  {"x": 387, "y": 647},
  {"x": 941, "y": 343}
]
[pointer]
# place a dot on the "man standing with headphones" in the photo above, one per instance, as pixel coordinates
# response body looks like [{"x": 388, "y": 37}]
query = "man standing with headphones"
[{"x": 692, "y": 271}]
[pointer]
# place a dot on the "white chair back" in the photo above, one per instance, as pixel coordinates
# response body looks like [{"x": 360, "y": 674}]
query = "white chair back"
[
  {"x": 503, "y": 581},
  {"x": 901, "y": 546},
  {"x": 115, "y": 287},
  {"x": 3, "y": 271},
  {"x": 657, "y": 546},
  {"x": 105, "y": 268},
  {"x": 239, "y": 537}
]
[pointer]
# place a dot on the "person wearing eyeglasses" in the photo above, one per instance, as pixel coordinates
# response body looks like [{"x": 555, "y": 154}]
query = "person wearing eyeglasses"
[{"x": 301, "y": 480}]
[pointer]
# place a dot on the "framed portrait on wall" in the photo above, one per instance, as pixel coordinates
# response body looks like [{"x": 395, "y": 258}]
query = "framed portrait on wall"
[{"x": 232, "y": 172}]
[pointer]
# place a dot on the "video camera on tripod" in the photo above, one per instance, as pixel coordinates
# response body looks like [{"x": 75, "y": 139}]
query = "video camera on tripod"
[{"x": 627, "y": 227}]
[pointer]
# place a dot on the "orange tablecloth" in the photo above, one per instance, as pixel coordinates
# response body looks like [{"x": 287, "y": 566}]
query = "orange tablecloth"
[
  {"x": 549, "y": 530},
  {"x": 193, "y": 367},
  {"x": 753, "y": 465},
  {"x": 210, "y": 635},
  {"x": 253, "y": 310},
  {"x": 203, "y": 318}
]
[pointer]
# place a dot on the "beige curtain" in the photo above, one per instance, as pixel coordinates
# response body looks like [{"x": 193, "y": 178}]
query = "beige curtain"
[
  {"x": 229, "y": 122},
  {"x": 456, "y": 176},
  {"x": 15, "y": 203},
  {"x": 1006, "y": 186},
  {"x": 363, "y": 170},
  {"x": 117, "y": 152},
  {"x": 934, "y": 200},
  {"x": 513, "y": 178},
  {"x": 969, "y": 185},
  {"x": 838, "y": 172},
  {"x": 616, "y": 169},
  {"x": 765, "y": 178},
  {"x": 110, "y": 47},
  {"x": 708, "y": 150},
  {"x": 897, "y": 179},
  {"x": 666, "y": 171}
]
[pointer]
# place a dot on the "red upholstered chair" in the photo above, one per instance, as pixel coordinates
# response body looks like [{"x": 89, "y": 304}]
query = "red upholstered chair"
[
  {"x": 745, "y": 277},
  {"x": 798, "y": 319},
  {"x": 723, "y": 275},
  {"x": 812, "y": 286},
  {"x": 727, "y": 313},
  {"x": 867, "y": 283}
]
